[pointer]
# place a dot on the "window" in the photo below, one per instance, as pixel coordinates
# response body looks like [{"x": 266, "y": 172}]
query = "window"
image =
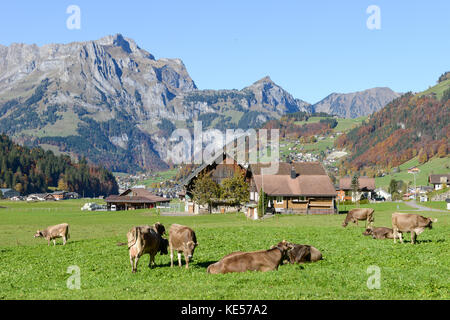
[{"x": 279, "y": 200}]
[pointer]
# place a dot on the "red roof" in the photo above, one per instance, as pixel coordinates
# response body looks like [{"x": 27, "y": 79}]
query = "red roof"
[{"x": 345, "y": 183}]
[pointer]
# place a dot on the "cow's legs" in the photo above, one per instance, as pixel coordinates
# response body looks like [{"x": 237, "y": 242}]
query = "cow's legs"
[
  {"x": 132, "y": 263},
  {"x": 54, "y": 242},
  {"x": 136, "y": 259},
  {"x": 413, "y": 237},
  {"x": 400, "y": 236},
  {"x": 64, "y": 241},
  {"x": 48, "y": 242},
  {"x": 179, "y": 259},
  {"x": 152, "y": 261},
  {"x": 171, "y": 256},
  {"x": 395, "y": 232},
  {"x": 186, "y": 259}
]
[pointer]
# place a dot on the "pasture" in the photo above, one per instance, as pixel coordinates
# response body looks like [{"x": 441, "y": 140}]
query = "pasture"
[{"x": 29, "y": 269}]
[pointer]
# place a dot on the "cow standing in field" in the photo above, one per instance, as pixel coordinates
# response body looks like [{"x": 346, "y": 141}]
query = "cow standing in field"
[
  {"x": 359, "y": 214},
  {"x": 299, "y": 253},
  {"x": 414, "y": 223},
  {"x": 379, "y": 233},
  {"x": 146, "y": 239},
  {"x": 183, "y": 240},
  {"x": 263, "y": 260},
  {"x": 53, "y": 232}
]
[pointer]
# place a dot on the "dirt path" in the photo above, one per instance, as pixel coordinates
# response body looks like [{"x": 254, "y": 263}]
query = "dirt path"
[{"x": 413, "y": 204}]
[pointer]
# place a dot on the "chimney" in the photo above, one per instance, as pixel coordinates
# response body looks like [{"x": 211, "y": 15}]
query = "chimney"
[{"x": 293, "y": 173}]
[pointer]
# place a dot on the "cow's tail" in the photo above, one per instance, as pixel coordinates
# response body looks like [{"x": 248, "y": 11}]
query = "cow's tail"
[
  {"x": 68, "y": 233},
  {"x": 132, "y": 236}
]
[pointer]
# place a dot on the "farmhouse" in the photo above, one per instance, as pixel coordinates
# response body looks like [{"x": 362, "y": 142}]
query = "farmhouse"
[
  {"x": 366, "y": 189},
  {"x": 439, "y": 181},
  {"x": 223, "y": 166},
  {"x": 302, "y": 187},
  {"x": 9, "y": 193},
  {"x": 299, "y": 187},
  {"x": 133, "y": 199}
]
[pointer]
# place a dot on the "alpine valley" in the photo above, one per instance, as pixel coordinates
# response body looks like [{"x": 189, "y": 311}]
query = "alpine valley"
[{"x": 112, "y": 102}]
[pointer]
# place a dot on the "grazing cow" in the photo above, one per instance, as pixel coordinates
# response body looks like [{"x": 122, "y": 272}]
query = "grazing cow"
[
  {"x": 359, "y": 214},
  {"x": 413, "y": 223},
  {"x": 299, "y": 253},
  {"x": 146, "y": 239},
  {"x": 53, "y": 232},
  {"x": 263, "y": 260},
  {"x": 183, "y": 240},
  {"x": 379, "y": 233}
]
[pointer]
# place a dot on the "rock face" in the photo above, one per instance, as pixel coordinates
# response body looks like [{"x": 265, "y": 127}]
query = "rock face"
[
  {"x": 356, "y": 104},
  {"x": 107, "y": 99}
]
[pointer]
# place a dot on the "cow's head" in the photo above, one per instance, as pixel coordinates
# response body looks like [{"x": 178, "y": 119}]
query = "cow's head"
[
  {"x": 188, "y": 249},
  {"x": 284, "y": 246},
  {"x": 430, "y": 223},
  {"x": 160, "y": 228},
  {"x": 38, "y": 234},
  {"x": 368, "y": 232},
  {"x": 163, "y": 244},
  {"x": 345, "y": 223}
]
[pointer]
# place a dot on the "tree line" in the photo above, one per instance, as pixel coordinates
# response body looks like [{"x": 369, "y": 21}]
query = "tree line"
[{"x": 34, "y": 170}]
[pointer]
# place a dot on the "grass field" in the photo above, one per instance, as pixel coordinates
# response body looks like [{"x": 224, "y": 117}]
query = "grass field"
[
  {"x": 29, "y": 269},
  {"x": 433, "y": 166},
  {"x": 160, "y": 177}
]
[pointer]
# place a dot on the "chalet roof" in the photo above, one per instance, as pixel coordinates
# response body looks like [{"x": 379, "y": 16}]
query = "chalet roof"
[
  {"x": 136, "y": 196},
  {"x": 302, "y": 185},
  {"x": 218, "y": 160},
  {"x": 436, "y": 178},
  {"x": 345, "y": 183},
  {"x": 284, "y": 168}
]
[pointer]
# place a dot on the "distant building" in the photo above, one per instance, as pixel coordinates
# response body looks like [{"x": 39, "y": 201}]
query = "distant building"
[
  {"x": 366, "y": 189},
  {"x": 133, "y": 199},
  {"x": 9, "y": 193},
  {"x": 439, "y": 180}
]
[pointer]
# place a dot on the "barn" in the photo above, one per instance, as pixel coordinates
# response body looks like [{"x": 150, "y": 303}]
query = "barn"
[{"x": 133, "y": 199}]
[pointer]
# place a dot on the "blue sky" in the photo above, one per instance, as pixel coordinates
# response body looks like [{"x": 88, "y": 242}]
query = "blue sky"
[{"x": 310, "y": 48}]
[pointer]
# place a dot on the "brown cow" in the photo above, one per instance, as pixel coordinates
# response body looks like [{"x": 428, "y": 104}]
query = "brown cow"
[
  {"x": 263, "y": 260},
  {"x": 183, "y": 240},
  {"x": 414, "y": 223},
  {"x": 146, "y": 239},
  {"x": 359, "y": 214},
  {"x": 53, "y": 232},
  {"x": 379, "y": 233},
  {"x": 299, "y": 253}
]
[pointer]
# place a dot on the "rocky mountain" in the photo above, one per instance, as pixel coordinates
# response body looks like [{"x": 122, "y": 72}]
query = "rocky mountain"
[
  {"x": 113, "y": 102},
  {"x": 356, "y": 104}
]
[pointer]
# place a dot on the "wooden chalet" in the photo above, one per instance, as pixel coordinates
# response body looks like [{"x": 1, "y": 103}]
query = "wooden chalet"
[
  {"x": 299, "y": 187},
  {"x": 295, "y": 188},
  {"x": 345, "y": 190},
  {"x": 133, "y": 199}
]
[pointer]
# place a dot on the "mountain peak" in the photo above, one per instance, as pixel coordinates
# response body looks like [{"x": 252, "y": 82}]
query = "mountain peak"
[{"x": 266, "y": 79}]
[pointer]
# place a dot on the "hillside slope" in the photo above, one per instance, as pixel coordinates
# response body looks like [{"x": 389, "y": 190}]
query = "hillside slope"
[{"x": 409, "y": 126}]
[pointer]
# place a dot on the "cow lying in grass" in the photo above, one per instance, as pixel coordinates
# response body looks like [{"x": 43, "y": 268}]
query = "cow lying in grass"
[
  {"x": 359, "y": 214},
  {"x": 53, "y": 232},
  {"x": 414, "y": 223},
  {"x": 379, "y": 233},
  {"x": 146, "y": 239},
  {"x": 264, "y": 260},
  {"x": 299, "y": 253}
]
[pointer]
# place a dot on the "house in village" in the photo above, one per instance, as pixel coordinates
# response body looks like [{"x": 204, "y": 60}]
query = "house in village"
[
  {"x": 299, "y": 187},
  {"x": 294, "y": 188},
  {"x": 9, "y": 193},
  {"x": 223, "y": 166},
  {"x": 133, "y": 199},
  {"x": 366, "y": 189},
  {"x": 439, "y": 181}
]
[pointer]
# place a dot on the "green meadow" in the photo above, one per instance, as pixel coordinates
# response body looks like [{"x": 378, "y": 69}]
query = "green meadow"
[{"x": 29, "y": 269}]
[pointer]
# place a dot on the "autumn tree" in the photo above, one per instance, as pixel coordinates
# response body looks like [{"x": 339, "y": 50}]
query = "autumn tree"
[
  {"x": 423, "y": 156},
  {"x": 205, "y": 190},
  {"x": 442, "y": 151},
  {"x": 235, "y": 188}
]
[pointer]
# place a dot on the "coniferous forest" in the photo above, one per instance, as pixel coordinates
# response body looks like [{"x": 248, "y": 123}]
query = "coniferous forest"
[{"x": 34, "y": 170}]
